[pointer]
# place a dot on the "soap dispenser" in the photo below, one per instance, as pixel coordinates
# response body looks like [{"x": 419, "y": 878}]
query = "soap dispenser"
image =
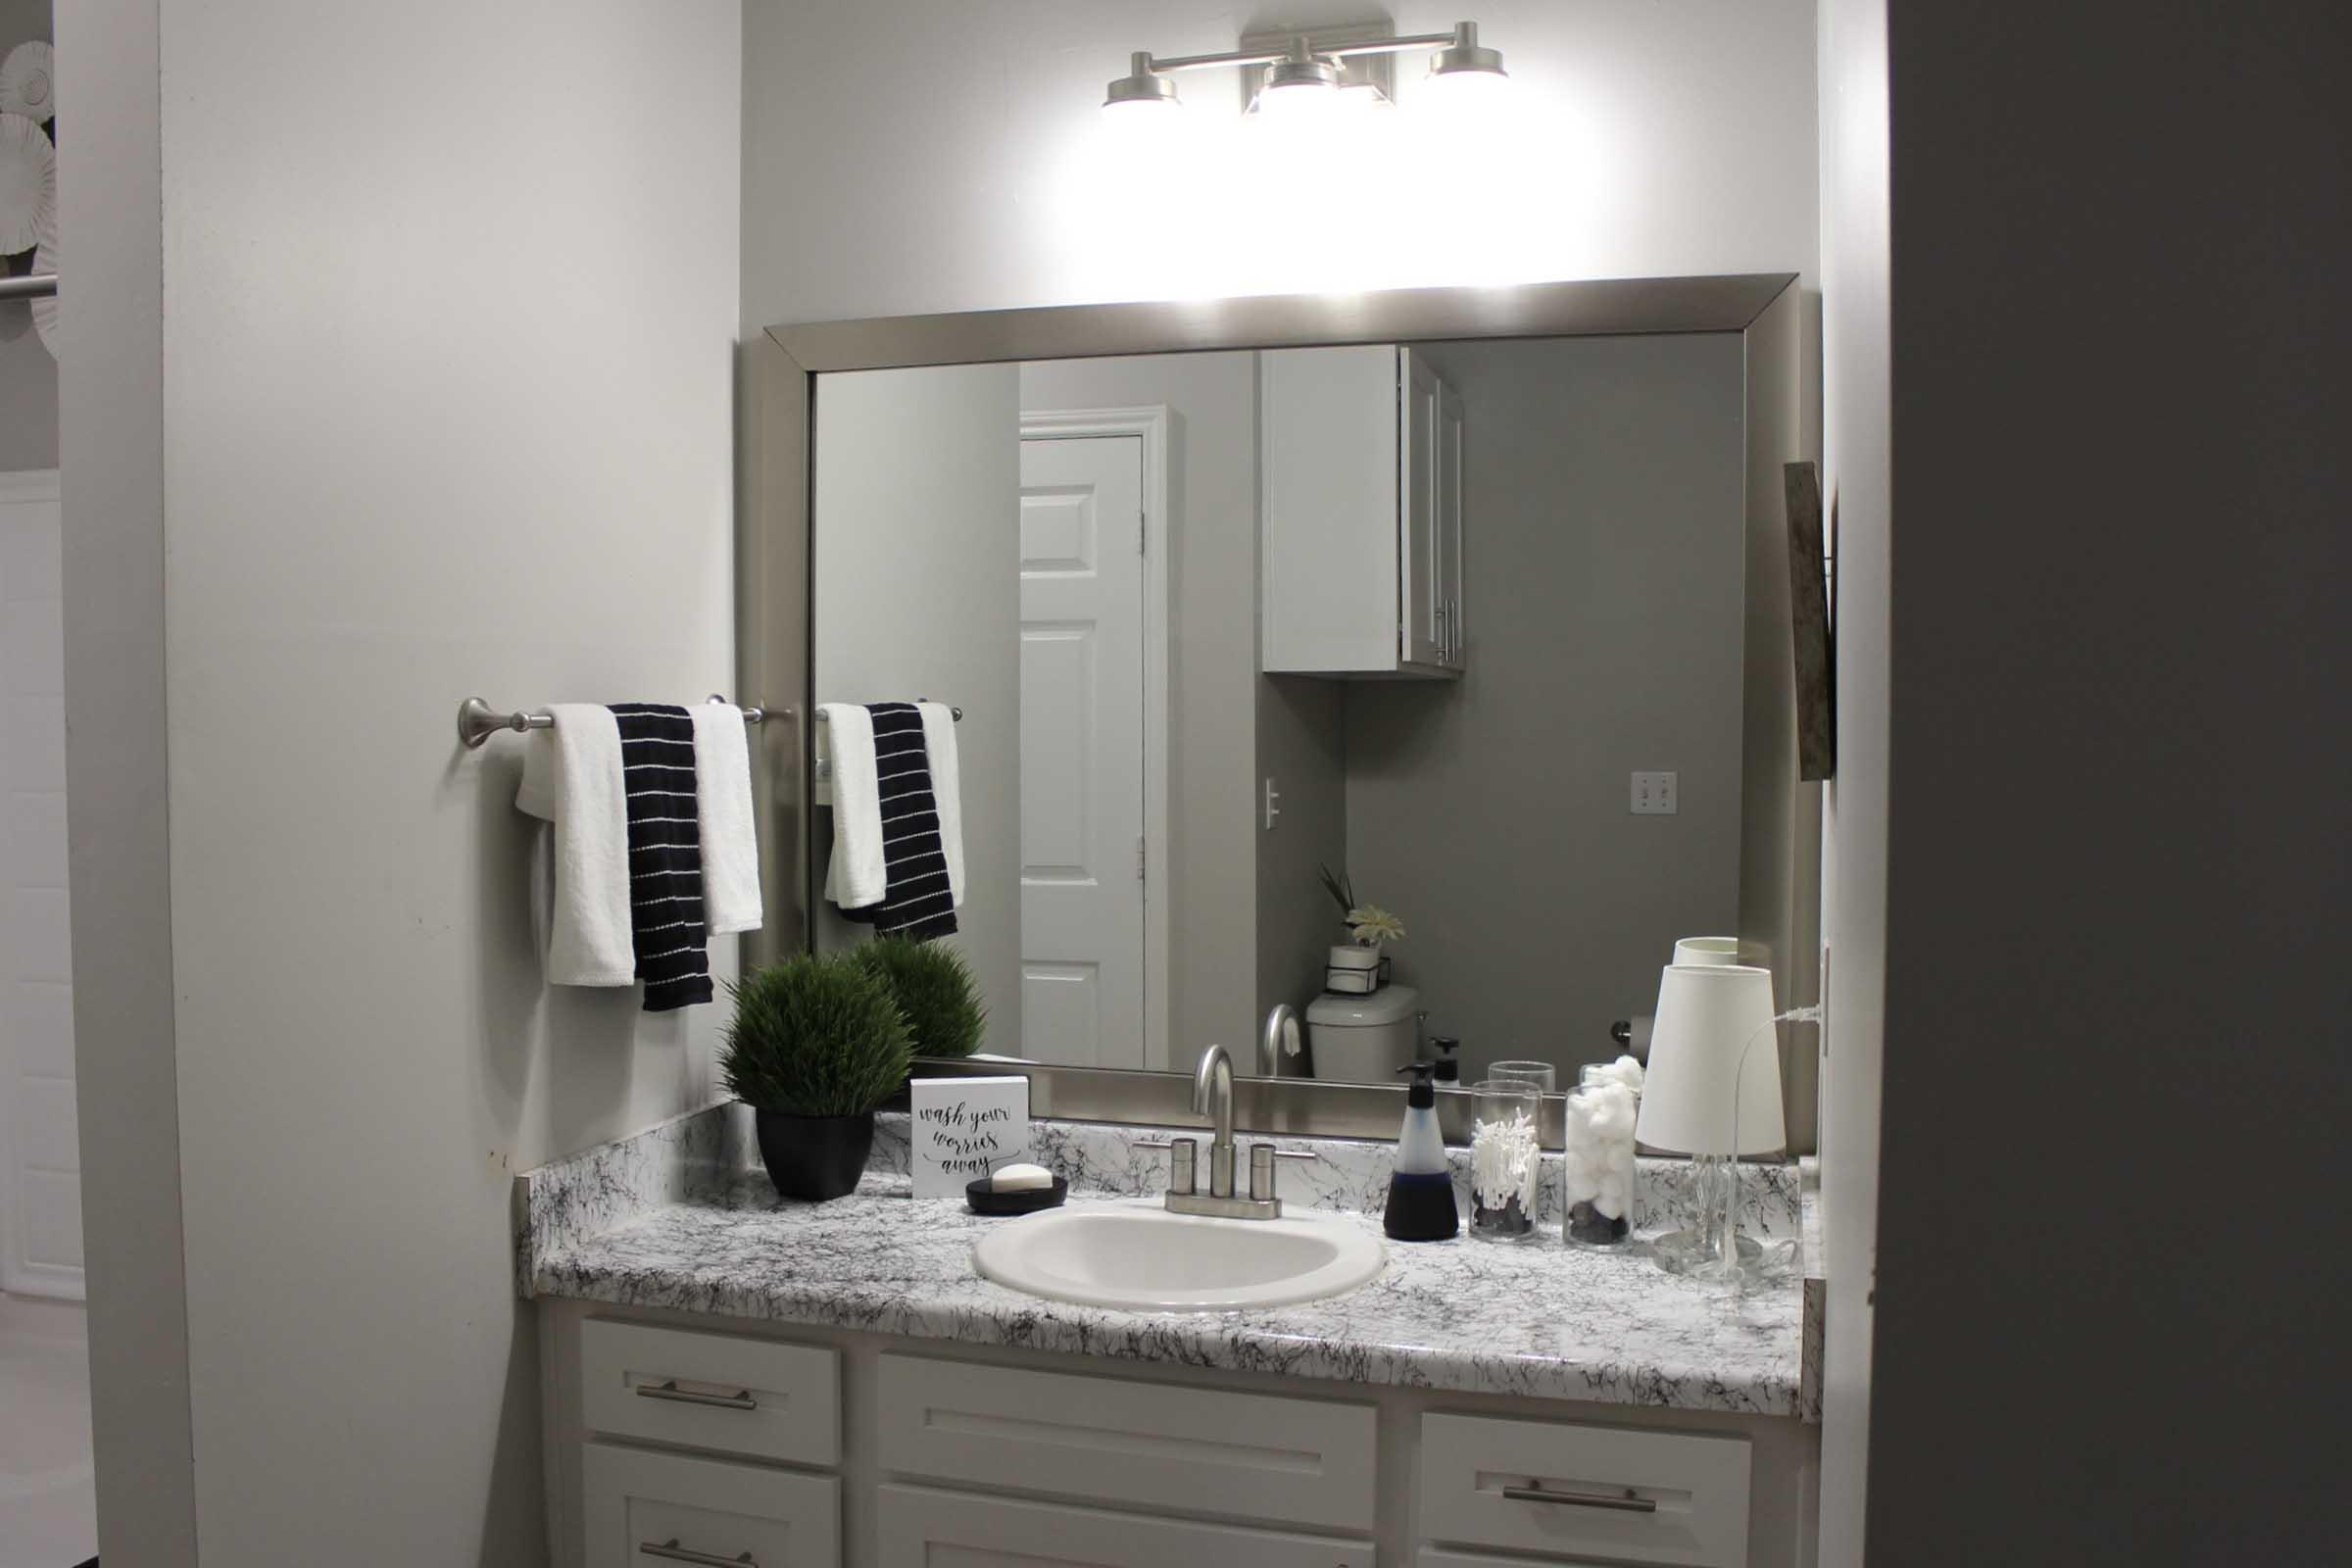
[{"x": 1420, "y": 1204}]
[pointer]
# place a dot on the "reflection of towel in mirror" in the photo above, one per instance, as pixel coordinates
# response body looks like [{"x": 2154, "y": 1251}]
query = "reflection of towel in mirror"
[
  {"x": 947, "y": 789},
  {"x": 856, "y": 877},
  {"x": 920, "y": 899}
]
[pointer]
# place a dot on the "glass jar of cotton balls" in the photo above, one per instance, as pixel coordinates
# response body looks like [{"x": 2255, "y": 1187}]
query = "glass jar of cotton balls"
[
  {"x": 1506, "y": 1163},
  {"x": 1598, "y": 1180}
]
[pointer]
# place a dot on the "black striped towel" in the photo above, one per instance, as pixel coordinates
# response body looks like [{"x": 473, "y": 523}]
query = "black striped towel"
[
  {"x": 918, "y": 901},
  {"x": 665, "y": 855}
]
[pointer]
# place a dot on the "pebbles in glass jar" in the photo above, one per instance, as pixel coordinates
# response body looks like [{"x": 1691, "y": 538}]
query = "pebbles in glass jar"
[
  {"x": 1505, "y": 1161},
  {"x": 1599, "y": 1165}
]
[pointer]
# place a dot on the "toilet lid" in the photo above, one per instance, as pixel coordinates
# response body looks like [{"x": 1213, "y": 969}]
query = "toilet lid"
[{"x": 1387, "y": 1006}]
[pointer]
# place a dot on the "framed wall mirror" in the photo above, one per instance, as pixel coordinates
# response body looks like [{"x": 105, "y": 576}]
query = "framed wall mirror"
[{"x": 1338, "y": 674}]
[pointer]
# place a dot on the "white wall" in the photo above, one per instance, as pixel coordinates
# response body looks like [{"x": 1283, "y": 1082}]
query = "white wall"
[
  {"x": 40, "y": 1161},
  {"x": 917, "y": 588},
  {"x": 1675, "y": 136},
  {"x": 1213, "y": 530},
  {"x": 445, "y": 408},
  {"x": 1603, "y": 549},
  {"x": 1857, "y": 488}
]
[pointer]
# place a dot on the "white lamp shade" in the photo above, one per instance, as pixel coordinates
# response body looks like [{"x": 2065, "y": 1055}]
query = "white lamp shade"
[
  {"x": 1707, "y": 1015},
  {"x": 1707, "y": 950}
]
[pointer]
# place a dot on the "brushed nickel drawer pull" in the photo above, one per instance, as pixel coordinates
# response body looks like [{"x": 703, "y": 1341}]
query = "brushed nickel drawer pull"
[
  {"x": 671, "y": 1551},
  {"x": 740, "y": 1399},
  {"x": 1628, "y": 1504}
]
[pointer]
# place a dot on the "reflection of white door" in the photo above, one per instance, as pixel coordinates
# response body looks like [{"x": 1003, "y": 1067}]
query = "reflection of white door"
[{"x": 1082, "y": 751}]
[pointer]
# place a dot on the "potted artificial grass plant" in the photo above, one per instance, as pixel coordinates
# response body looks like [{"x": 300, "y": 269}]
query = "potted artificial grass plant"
[
  {"x": 817, "y": 1042},
  {"x": 935, "y": 991}
]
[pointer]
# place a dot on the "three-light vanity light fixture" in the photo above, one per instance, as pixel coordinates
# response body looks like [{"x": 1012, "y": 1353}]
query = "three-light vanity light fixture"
[{"x": 1314, "y": 76}]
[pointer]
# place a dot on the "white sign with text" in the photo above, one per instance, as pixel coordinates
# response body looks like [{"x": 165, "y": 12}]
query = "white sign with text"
[{"x": 964, "y": 1129}]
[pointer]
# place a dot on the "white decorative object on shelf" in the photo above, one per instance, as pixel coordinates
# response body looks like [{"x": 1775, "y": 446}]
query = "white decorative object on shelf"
[
  {"x": 27, "y": 185},
  {"x": 964, "y": 1129},
  {"x": 28, "y": 82},
  {"x": 44, "y": 308}
]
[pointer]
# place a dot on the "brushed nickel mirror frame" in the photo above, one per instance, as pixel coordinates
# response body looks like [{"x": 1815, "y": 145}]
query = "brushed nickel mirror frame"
[{"x": 1780, "y": 828}]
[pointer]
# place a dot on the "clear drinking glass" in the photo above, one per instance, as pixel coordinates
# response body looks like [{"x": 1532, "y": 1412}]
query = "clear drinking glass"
[
  {"x": 1543, "y": 1074},
  {"x": 1506, "y": 1163},
  {"x": 1597, "y": 1168}
]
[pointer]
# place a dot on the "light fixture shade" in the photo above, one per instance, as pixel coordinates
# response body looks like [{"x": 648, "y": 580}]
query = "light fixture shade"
[
  {"x": 1707, "y": 1015},
  {"x": 1465, "y": 59},
  {"x": 1707, "y": 950},
  {"x": 1142, "y": 86}
]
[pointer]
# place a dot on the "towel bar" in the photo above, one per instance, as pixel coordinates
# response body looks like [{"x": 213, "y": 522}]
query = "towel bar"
[{"x": 477, "y": 720}]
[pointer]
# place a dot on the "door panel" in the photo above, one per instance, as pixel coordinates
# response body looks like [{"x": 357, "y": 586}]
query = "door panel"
[
  {"x": 1417, "y": 496},
  {"x": 1082, "y": 751}
]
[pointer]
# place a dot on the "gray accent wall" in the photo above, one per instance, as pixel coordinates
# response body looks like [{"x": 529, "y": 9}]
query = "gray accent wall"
[{"x": 1602, "y": 571}]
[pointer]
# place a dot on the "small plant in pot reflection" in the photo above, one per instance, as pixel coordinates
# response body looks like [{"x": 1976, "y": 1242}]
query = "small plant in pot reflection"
[
  {"x": 935, "y": 989},
  {"x": 816, "y": 1042},
  {"x": 1368, "y": 924}
]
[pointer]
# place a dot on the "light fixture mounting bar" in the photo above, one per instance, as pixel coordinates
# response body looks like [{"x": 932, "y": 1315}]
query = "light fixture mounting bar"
[{"x": 1397, "y": 44}]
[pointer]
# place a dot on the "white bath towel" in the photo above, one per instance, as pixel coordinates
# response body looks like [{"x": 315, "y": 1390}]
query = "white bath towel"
[
  {"x": 858, "y": 875},
  {"x": 722, "y": 788},
  {"x": 571, "y": 777},
  {"x": 947, "y": 790}
]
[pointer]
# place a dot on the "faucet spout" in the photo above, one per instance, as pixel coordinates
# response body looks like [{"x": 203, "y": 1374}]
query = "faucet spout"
[
  {"x": 1212, "y": 1096},
  {"x": 1282, "y": 1029}
]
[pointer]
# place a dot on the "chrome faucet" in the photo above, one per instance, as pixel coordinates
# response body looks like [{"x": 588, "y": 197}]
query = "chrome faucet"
[
  {"x": 1282, "y": 1028},
  {"x": 1212, "y": 1096}
]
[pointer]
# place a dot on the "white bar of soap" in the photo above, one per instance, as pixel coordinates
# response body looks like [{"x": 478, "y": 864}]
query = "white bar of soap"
[{"x": 1020, "y": 1179}]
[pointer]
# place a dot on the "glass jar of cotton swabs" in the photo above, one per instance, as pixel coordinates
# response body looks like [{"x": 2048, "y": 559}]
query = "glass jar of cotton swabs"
[
  {"x": 1597, "y": 1167},
  {"x": 1506, "y": 1163}
]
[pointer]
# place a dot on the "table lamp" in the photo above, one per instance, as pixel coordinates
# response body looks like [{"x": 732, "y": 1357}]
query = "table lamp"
[{"x": 1713, "y": 1092}]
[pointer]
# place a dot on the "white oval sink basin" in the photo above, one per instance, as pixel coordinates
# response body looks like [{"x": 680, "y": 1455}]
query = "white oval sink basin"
[{"x": 1146, "y": 1260}]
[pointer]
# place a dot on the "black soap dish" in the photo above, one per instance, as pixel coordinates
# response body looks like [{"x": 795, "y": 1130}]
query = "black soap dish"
[{"x": 986, "y": 1200}]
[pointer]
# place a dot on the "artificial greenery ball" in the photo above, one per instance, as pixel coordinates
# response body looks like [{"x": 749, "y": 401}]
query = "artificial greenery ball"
[
  {"x": 817, "y": 1035},
  {"x": 935, "y": 989}
]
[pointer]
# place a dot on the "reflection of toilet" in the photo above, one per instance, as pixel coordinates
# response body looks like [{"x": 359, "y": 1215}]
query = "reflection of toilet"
[{"x": 1363, "y": 1039}]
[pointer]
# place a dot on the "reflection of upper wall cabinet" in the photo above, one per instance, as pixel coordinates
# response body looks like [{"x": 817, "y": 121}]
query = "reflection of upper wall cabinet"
[{"x": 1361, "y": 458}]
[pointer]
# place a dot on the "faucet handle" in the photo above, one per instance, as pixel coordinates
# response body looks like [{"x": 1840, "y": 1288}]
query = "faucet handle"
[
  {"x": 1182, "y": 1153},
  {"x": 1261, "y": 1168}
]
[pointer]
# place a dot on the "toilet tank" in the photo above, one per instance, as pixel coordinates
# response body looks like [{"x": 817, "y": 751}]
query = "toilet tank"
[{"x": 1363, "y": 1039}]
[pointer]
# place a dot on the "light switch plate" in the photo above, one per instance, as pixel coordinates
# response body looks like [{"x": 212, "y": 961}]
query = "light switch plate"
[{"x": 1654, "y": 795}]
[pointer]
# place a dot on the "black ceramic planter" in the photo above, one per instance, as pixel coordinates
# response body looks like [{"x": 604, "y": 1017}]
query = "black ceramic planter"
[{"x": 814, "y": 1156}]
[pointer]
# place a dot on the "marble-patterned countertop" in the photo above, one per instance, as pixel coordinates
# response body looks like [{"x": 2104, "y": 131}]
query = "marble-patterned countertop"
[{"x": 679, "y": 1217}]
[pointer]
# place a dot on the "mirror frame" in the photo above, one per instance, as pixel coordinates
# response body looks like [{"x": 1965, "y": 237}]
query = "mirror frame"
[{"x": 1780, "y": 849}]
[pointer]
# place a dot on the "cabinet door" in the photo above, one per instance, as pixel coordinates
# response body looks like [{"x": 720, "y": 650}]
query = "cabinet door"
[
  {"x": 925, "y": 1529},
  {"x": 1418, "y": 464},
  {"x": 642, "y": 1509},
  {"x": 1452, "y": 639},
  {"x": 1328, "y": 468}
]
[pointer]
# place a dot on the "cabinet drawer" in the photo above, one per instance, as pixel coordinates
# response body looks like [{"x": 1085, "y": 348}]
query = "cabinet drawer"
[
  {"x": 1683, "y": 1499},
  {"x": 925, "y": 1529},
  {"x": 711, "y": 1391},
  {"x": 642, "y": 1510},
  {"x": 1299, "y": 1461}
]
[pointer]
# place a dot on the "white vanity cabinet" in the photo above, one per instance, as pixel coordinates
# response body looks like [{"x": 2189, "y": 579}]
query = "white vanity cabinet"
[
  {"x": 794, "y": 1445},
  {"x": 1361, "y": 515}
]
